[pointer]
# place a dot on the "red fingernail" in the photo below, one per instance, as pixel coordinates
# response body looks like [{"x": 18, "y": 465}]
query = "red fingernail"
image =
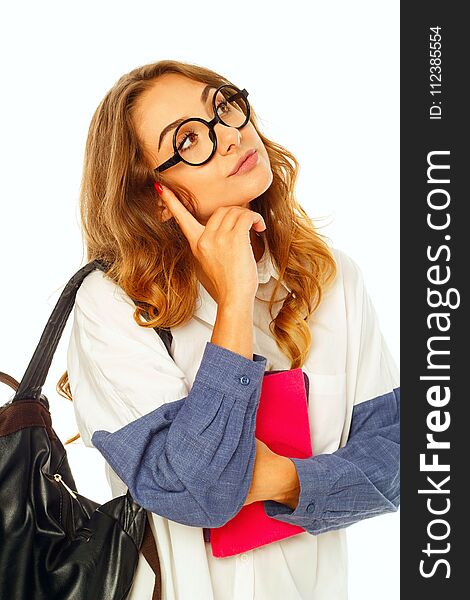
[{"x": 158, "y": 187}]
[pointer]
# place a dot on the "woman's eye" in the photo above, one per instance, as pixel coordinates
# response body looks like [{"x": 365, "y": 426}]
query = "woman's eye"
[
  {"x": 183, "y": 146},
  {"x": 225, "y": 107}
]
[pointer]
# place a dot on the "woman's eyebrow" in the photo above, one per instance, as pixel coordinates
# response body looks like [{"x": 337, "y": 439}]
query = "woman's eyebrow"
[{"x": 174, "y": 125}]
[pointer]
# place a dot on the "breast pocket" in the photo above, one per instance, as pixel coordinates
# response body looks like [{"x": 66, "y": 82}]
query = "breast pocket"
[{"x": 327, "y": 410}]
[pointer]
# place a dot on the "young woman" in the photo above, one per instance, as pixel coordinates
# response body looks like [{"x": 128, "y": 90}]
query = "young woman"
[{"x": 194, "y": 209}]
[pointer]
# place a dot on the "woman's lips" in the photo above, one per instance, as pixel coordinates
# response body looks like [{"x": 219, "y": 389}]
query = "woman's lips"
[{"x": 247, "y": 164}]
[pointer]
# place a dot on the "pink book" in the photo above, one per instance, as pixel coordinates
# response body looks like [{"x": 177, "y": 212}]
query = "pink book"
[{"x": 282, "y": 423}]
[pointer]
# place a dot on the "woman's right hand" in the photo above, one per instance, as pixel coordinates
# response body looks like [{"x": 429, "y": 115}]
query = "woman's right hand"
[{"x": 222, "y": 247}]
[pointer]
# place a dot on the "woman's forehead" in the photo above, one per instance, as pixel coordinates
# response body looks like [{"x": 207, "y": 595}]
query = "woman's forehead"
[
  {"x": 171, "y": 97},
  {"x": 174, "y": 91}
]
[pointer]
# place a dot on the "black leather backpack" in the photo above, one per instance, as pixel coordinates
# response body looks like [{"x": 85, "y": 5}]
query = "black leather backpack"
[{"x": 56, "y": 544}]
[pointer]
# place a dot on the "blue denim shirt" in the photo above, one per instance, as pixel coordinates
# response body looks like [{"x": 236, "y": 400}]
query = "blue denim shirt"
[
  {"x": 192, "y": 460},
  {"x": 358, "y": 481}
]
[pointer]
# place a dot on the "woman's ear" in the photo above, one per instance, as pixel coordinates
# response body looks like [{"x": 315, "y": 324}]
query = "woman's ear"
[{"x": 163, "y": 212}]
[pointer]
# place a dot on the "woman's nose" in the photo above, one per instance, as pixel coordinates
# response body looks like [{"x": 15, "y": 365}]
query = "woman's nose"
[{"x": 226, "y": 137}]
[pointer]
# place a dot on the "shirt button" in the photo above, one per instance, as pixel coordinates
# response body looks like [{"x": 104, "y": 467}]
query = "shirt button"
[
  {"x": 243, "y": 557},
  {"x": 244, "y": 380},
  {"x": 311, "y": 507}
]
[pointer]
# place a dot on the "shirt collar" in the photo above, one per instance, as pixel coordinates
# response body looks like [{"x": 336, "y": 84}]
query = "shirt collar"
[{"x": 206, "y": 305}]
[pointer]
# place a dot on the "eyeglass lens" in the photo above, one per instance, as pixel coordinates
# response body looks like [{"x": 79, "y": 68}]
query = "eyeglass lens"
[{"x": 193, "y": 140}]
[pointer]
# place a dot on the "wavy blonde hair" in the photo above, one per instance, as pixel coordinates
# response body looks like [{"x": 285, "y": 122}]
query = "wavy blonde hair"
[{"x": 151, "y": 260}]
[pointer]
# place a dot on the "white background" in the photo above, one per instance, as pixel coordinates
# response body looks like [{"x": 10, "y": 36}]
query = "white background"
[{"x": 324, "y": 79}]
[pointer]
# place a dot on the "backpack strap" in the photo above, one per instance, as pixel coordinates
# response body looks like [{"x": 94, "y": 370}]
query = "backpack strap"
[
  {"x": 148, "y": 547},
  {"x": 32, "y": 382},
  {"x": 149, "y": 550},
  {"x": 164, "y": 333}
]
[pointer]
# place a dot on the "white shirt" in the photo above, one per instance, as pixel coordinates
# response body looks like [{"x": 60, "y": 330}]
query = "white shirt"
[{"x": 119, "y": 371}]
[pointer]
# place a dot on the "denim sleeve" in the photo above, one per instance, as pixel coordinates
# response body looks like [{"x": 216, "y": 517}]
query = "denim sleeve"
[
  {"x": 192, "y": 460},
  {"x": 358, "y": 481}
]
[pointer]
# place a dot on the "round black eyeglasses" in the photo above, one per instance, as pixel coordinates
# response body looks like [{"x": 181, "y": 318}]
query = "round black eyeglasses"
[{"x": 195, "y": 141}]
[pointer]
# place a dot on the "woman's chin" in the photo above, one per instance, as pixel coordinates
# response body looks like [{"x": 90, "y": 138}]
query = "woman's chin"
[{"x": 257, "y": 186}]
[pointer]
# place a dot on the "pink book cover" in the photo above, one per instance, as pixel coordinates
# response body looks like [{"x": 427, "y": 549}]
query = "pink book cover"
[{"x": 282, "y": 423}]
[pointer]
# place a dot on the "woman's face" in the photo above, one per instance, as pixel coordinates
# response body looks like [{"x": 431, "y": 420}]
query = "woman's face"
[{"x": 173, "y": 97}]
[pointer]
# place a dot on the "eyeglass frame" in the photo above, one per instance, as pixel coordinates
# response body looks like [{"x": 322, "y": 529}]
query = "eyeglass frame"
[{"x": 176, "y": 158}]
